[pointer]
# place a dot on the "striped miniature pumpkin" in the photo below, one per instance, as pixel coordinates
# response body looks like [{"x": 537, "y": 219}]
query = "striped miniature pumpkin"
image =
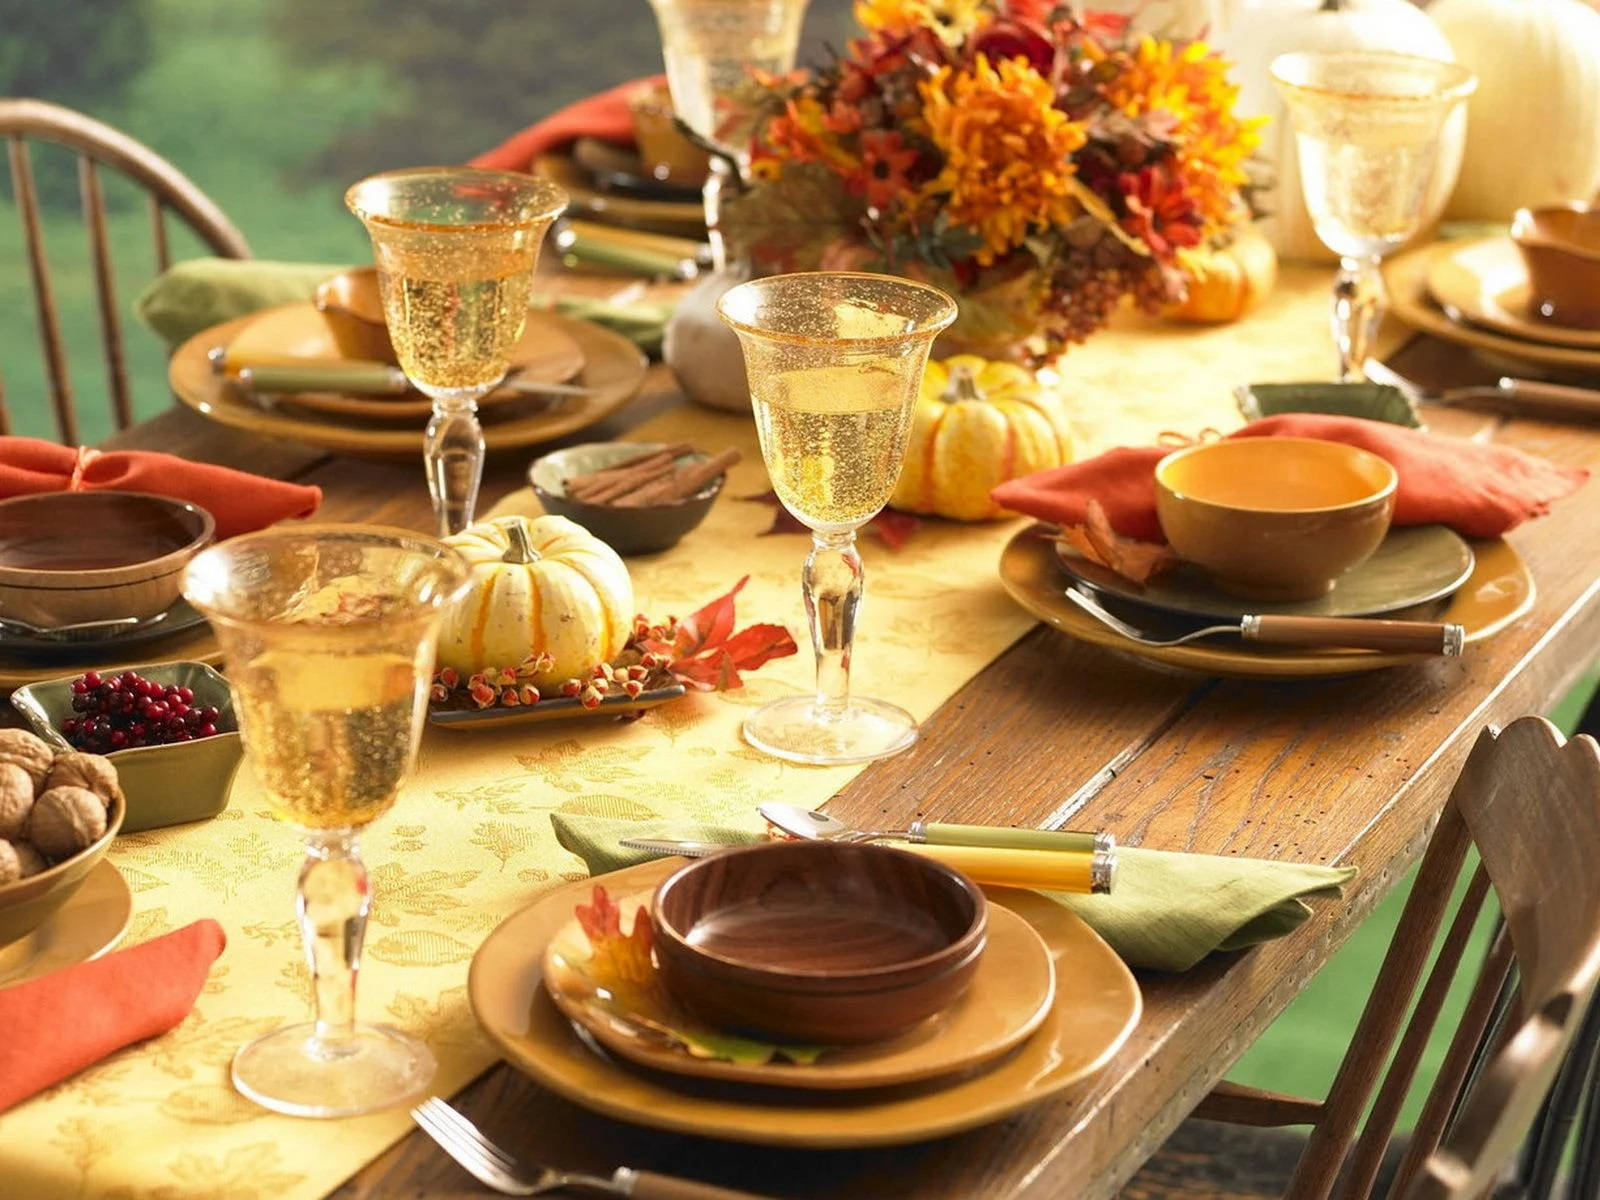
[{"x": 977, "y": 424}]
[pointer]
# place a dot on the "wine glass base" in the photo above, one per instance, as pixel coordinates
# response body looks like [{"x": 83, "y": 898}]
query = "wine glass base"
[
  {"x": 794, "y": 729},
  {"x": 290, "y": 1071}
]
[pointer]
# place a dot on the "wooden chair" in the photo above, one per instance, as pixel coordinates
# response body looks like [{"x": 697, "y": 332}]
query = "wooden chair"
[
  {"x": 1530, "y": 803},
  {"x": 169, "y": 190}
]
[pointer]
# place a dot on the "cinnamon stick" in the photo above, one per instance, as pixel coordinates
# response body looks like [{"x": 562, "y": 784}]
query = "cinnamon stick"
[
  {"x": 683, "y": 483},
  {"x": 600, "y": 487}
]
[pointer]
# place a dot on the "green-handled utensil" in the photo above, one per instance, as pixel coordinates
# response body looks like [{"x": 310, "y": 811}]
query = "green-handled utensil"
[
  {"x": 804, "y": 823},
  {"x": 352, "y": 377}
]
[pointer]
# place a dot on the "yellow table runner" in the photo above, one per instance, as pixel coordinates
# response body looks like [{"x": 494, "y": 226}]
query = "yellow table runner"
[{"x": 469, "y": 841}]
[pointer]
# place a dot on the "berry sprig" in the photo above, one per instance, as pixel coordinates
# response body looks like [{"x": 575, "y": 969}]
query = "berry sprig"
[
  {"x": 127, "y": 711},
  {"x": 632, "y": 672}
]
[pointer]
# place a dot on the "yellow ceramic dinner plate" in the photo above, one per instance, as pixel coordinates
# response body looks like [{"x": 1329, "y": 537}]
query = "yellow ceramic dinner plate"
[
  {"x": 295, "y": 333},
  {"x": 85, "y": 927},
  {"x": 684, "y": 218},
  {"x": 1010, "y": 995},
  {"x": 1406, "y": 278},
  {"x": 1486, "y": 282},
  {"x": 1497, "y": 592},
  {"x": 1095, "y": 1008},
  {"x": 613, "y": 368}
]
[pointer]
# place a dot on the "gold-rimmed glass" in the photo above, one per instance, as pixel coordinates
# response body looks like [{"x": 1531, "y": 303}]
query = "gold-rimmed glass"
[
  {"x": 710, "y": 47},
  {"x": 1367, "y": 127},
  {"x": 834, "y": 361},
  {"x": 456, "y": 250},
  {"x": 328, "y": 632}
]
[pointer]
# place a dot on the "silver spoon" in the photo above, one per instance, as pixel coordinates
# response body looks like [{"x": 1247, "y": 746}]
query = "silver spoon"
[
  {"x": 81, "y": 631},
  {"x": 816, "y": 826}
]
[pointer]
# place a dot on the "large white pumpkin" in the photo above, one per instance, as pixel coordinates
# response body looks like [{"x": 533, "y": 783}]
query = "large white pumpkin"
[
  {"x": 542, "y": 584},
  {"x": 1534, "y": 123},
  {"x": 1260, "y": 30}
]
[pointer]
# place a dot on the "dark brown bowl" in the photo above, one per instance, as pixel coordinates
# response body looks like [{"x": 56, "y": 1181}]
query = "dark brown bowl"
[
  {"x": 72, "y": 557},
  {"x": 644, "y": 530},
  {"x": 820, "y": 942}
]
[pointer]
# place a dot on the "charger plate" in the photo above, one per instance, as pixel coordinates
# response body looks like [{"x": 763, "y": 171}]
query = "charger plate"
[
  {"x": 92, "y": 921},
  {"x": 683, "y": 218},
  {"x": 1096, "y": 1006},
  {"x": 1499, "y": 590},
  {"x": 1415, "y": 564},
  {"x": 194, "y": 644},
  {"x": 1010, "y": 994},
  {"x": 1406, "y": 278},
  {"x": 1486, "y": 282},
  {"x": 613, "y": 367}
]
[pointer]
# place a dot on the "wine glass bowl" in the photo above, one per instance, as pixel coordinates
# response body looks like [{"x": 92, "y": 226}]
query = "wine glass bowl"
[
  {"x": 328, "y": 633},
  {"x": 1367, "y": 128},
  {"x": 456, "y": 250},
  {"x": 834, "y": 361}
]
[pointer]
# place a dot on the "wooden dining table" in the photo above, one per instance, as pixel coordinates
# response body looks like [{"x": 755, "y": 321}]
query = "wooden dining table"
[{"x": 1348, "y": 770}]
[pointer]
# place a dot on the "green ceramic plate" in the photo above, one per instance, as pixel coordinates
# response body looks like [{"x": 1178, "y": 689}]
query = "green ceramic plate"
[
  {"x": 1374, "y": 401},
  {"x": 1415, "y": 564},
  {"x": 165, "y": 785}
]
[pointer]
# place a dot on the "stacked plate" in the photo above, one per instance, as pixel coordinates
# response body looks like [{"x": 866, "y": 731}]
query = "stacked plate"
[
  {"x": 553, "y": 349},
  {"x": 1024, "y": 1031},
  {"x": 1476, "y": 293},
  {"x": 611, "y": 184},
  {"x": 29, "y": 655},
  {"x": 1420, "y": 572}
]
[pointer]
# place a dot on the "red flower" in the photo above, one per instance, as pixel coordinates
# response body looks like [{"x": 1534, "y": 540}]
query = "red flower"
[
  {"x": 1036, "y": 12},
  {"x": 1016, "y": 39},
  {"x": 1159, "y": 212},
  {"x": 885, "y": 162}
]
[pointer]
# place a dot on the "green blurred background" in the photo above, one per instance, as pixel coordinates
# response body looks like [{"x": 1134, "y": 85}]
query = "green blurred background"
[{"x": 272, "y": 107}]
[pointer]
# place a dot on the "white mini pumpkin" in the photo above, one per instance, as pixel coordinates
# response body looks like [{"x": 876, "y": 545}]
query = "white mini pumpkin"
[{"x": 538, "y": 585}]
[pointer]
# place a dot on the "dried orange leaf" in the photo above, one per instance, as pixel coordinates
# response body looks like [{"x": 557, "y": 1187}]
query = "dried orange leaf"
[{"x": 1137, "y": 562}]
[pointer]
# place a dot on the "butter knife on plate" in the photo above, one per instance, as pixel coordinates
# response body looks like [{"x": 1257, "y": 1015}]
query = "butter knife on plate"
[
  {"x": 1349, "y": 633},
  {"x": 355, "y": 378}
]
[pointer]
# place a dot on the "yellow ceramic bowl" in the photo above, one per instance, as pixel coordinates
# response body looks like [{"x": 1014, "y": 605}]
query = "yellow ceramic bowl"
[
  {"x": 1560, "y": 247},
  {"x": 353, "y": 309},
  {"x": 27, "y": 903},
  {"x": 1274, "y": 518}
]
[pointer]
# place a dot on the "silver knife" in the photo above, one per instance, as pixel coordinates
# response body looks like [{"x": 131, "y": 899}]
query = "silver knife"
[
  {"x": 684, "y": 846},
  {"x": 371, "y": 379}
]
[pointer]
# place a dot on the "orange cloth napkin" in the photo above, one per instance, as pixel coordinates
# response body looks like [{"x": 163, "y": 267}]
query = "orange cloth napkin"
[
  {"x": 604, "y": 116},
  {"x": 240, "y": 502},
  {"x": 1478, "y": 490},
  {"x": 58, "y": 1024}
]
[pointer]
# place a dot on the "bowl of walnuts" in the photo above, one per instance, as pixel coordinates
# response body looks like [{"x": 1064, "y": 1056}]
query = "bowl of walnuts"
[{"x": 59, "y": 810}]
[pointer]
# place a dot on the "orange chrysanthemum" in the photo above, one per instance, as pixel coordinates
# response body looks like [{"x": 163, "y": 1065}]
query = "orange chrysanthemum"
[
  {"x": 952, "y": 20},
  {"x": 1190, "y": 85},
  {"x": 1007, "y": 152}
]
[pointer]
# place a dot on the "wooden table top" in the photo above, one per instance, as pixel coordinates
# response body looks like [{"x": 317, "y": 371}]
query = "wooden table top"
[{"x": 1348, "y": 770}]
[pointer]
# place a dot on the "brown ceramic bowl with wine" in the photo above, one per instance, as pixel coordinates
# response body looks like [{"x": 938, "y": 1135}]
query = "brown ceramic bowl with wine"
[
  {"x": 825, "y": 943},
  {"x": 69, "y": 558}
]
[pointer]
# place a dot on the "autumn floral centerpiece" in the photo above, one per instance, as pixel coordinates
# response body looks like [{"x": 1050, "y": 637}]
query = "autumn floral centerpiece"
[{"x": 1041, "y": 164}]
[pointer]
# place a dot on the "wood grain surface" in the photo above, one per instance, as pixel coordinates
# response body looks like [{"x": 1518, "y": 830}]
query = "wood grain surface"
[{"x": 1054, "y": 733}]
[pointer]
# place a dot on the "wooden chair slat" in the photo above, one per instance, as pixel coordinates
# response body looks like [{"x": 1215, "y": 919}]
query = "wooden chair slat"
[
  {"x": 43, "y": 296},
  {"x": 1238, "y": 1104},
  {"x": 94, "y": 216},
  {"x": 158, "y": 232}
]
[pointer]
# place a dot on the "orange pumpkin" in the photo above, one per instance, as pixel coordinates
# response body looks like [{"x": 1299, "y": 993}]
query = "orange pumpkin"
[
  {"x": 1225, "y": 282},
  {"x": 977, "y": 424}
]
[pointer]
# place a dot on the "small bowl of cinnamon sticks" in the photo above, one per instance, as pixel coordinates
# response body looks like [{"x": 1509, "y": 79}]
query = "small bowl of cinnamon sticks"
[{"x": 637, "y": 497}]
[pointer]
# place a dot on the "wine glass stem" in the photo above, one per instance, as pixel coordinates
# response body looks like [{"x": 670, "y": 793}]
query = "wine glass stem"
[
  {"x": 452, "y": 452},
  {"x": 832, "y": 583},
  {"x": 332, "y": 899},
  {"x": 711, "y": 197},
  {"x": 1358, "y": 304}
]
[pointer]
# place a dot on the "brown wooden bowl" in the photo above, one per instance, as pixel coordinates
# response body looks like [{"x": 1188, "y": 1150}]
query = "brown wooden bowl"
[
  {"x": 819, "y": 942},
  {"x": 352, "y": 306},
  {"x": 72, "y": 557},
  {"x": 25, "y": 904},
  {"x": 1560, "y": 247}
]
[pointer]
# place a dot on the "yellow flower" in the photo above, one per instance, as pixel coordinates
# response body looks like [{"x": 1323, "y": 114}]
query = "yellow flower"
[
  {"x": 1191, "y": 86},
  {"x": 951, "y": 20},
  {"x": 1007, "y": 152}
]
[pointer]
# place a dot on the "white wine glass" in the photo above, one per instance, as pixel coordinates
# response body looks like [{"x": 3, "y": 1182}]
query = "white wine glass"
[
  {"x": 456, "y": 250},
  {"x": 328, "y": 632},
  {"x": 1367, "y": 127},
  {"x": 834, "y": 362}
]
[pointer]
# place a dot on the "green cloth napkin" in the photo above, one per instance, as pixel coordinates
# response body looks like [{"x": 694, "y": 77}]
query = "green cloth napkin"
[
  {"x": 202, "y": 292},
  {"x": 1166, "y": 913}
]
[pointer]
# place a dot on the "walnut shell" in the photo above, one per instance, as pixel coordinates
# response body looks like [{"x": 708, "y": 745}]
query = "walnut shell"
[
  {"x": 92, "y": 772},
  {"x": 16, "y": 800},
  {"x": 31, "y": 753},
  {"x": 18, "y": 860},
  {"x": 65, "y": 820}
]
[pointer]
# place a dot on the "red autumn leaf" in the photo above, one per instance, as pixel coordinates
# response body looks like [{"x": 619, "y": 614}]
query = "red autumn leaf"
[
  {"x": 894, "y": 529},
  {"x": 1136, "y": 561},
  {"x": 707, "y": 655},
  {"x": 621, "y": 963}
]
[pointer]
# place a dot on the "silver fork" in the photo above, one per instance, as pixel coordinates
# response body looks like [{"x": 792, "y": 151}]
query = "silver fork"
[{"x": 493, "y": 1167}]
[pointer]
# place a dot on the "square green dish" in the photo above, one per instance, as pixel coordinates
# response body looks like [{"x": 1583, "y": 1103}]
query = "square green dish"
[
  {"x": 1374, "y": 401},
  {"x": 164, "y": 785}
]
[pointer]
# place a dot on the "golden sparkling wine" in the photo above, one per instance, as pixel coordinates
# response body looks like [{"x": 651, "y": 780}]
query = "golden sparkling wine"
[
  {"x": 455, "y": 316},
  {"x": 833, "y": 439},
  {"x": 331, "y": 735},
  {"x": 1365, "y": 199},
  {"x": 711, "y": 46}
]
